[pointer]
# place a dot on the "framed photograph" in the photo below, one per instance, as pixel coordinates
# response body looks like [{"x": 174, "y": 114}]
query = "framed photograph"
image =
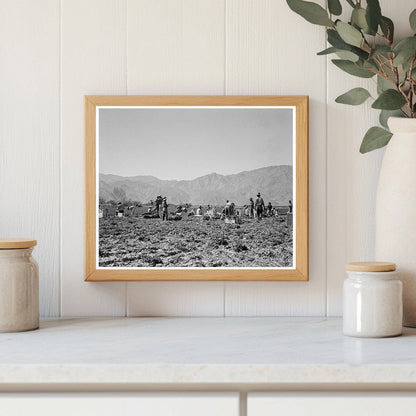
[{"x": 196, "y": 188}]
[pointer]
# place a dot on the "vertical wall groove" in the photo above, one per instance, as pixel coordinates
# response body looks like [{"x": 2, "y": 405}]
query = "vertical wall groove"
[{"x": 60, "y": 158}]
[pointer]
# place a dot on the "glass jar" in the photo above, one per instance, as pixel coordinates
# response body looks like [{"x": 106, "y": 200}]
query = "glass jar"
[
  {"x": 19, "y": 286},
  {"x": 372, "y": 300}
]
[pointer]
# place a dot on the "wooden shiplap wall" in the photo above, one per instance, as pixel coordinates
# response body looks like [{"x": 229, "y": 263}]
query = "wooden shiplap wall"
[
  {"x": 93, "y": 61},
  {"x": 54, "y": 52},
  {"x": 30, "y": 134}
]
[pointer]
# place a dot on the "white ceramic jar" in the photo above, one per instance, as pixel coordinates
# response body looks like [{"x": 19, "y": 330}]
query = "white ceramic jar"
[
  {"x": 372, "y": 300},
  {"x": 19, "y": 286}
]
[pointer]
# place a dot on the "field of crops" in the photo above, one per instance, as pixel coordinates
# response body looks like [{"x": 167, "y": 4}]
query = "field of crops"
[{"x": 194, "y": 242}]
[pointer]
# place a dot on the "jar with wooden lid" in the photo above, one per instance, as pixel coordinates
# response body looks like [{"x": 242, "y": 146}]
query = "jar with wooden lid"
[
  {"x": 372, "y": 300},
  {"x": 19, "y": 286}
]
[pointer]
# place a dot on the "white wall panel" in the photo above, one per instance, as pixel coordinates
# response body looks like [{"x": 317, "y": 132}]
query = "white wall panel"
[
  {"x": 29, "y": 134},
  {"x": 175, "y": 299},
  {"x": 353, "y": 177},
  {"x": 122, "y": 404},
  {"x": 93, "y": 62},
  {"x": 270, "y": 50},
  {"x": 175, "y": 48},
  {"x": 328, "y": 404}
]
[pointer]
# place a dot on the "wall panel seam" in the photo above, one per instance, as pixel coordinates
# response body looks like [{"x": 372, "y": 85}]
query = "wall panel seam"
[
  {"x": 126, "y": 74},
  {"x": 326, "y": 185},
  {"x": 60, "y": 161},
  {"x": 224, "y": 289},
  {"x": 126, "y": 40},
  {"x": 225, "y": 46}
]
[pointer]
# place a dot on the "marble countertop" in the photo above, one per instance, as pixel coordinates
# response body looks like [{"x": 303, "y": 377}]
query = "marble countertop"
[{"x": 202, "y": 352}]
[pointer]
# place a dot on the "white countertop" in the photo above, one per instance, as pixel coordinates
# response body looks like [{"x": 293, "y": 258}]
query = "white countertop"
[{"x": 203, "y": 352}]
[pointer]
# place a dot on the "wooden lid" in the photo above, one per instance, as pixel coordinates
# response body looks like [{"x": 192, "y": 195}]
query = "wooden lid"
[
  {"x": 371, "y": 266},
  {"x": 16, "y": 243}
]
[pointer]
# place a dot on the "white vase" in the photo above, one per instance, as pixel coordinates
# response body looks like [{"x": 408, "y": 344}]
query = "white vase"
[{"x": 396, "y": 210}]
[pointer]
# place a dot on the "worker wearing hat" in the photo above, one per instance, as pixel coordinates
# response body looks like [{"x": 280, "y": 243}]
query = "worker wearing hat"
[
  {"x": 165, "y": 209},
  {"x": 259, "y": 205}
]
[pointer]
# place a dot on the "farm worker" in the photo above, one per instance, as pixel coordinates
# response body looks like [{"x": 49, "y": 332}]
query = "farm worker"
[
  {"x": 120, "y": 209},
  {"x": 232, "y": 209},
  {"x": 164, "y": 209},
  {"x": 269, "y": 208},
  {"x": 159, "y": 202},
  {"x": 227, "y": 208},
  {"x": 251, "y": 208},
  {"x": 290, "y": 205},
  {"x": 260, "y": 207},
  {"x": 199, "y": 211}
]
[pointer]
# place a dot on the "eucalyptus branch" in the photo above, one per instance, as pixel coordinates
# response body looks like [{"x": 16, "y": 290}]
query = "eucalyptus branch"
[
  {"x": 366, "y": 43},
  {"x": 366, "y": 48}
]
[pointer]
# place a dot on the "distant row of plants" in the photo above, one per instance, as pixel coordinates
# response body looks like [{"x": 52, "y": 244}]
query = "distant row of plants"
[{"x": 365, "y": 47}]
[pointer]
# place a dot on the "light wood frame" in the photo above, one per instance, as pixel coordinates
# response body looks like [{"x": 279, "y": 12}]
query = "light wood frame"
[{"x": 300, "y": 273}]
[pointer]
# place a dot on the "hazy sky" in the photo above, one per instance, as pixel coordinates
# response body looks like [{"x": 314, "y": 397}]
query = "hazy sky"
[{"x": 188, "y": 143}]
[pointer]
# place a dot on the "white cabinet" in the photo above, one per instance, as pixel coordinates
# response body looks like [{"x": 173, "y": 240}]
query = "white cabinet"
[
  {"x": 123, "y": 404},
  {"x": 330, "y": 404}
]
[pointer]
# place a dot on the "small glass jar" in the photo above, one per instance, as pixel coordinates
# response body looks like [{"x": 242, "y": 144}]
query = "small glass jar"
[
  {"x": 19, "y": 286},
  {"x": 372, "y": 300}
]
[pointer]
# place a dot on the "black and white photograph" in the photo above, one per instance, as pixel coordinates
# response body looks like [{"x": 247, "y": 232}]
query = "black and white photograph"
[{"x": 195, "y": 187}]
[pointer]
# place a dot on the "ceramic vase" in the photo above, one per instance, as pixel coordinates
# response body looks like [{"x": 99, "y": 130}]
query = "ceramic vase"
[{"x": 396, "y": 210}]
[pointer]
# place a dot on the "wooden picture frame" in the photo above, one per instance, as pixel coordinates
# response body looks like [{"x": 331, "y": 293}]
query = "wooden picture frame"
[{"x": 299, "y": 269}]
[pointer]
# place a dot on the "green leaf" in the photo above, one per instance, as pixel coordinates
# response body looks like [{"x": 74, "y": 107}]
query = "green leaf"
[
  {"x": 334, "y": 7},
  {"x": 412, "y": 20},
  {"x": 347, "y": 55},
  {"x": 358, "y": 18},
  {"x": 371, "y": 64},
  {"x": 373, "y": 15},
  {"x": 386, "y": 114},
  {"x": 375, "y": 138},
  {"x": 406, "y": 43},
  {"x": 389, "y": 100},
  {"x": 349, "y": 34},
  {"x": 336, "y": 41},
  {"x": 383, "y": 84},
  {"x": 352, "y": 68},
  {"x": 350, "y": 56},
  {"x": 387, "y": 27},
  {"x": 381, "y": 50},
  {"x": 405, "y": 50},
  {"x": 327, "y": 51},
  {"x": 356, "y": 96},
  {"x": 311, "y": 12}
]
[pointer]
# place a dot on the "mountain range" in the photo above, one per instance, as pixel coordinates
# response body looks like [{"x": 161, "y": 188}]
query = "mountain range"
[{"x": 275, "y": 184}]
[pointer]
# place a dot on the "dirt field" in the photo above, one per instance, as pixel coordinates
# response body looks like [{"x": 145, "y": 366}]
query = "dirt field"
[{"x": 193, "y": 242}]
